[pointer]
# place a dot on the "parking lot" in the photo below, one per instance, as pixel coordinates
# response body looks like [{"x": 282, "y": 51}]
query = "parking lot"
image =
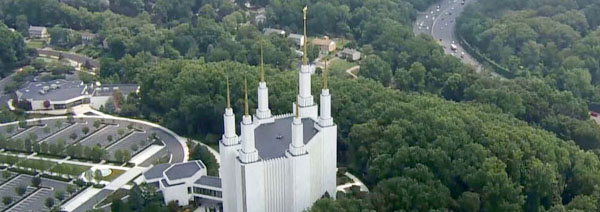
[
  {"x": 139, "y": 139},
  {"x": 101, "y": 137},
  {"x": 42, "y": 132},
  {"x": 76, "y": 129},
  {"x": 134, "y": 140},
  {"x": 35, "y": 202},
  {"x": 8, "y": 188}
]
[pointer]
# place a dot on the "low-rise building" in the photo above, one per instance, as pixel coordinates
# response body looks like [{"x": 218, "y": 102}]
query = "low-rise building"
[
  {"x": 350, "y": 54},
  {"x": 297, "y": 39},
  {"x": 185, "y": 182},
  {"x": 101, "y": 94},
  {"x": 38, "y": 32},
  {"x": 325, "y": 45},
  {"x": 87, "y": 38},
  {"x": 261, "y": 15},
  {"x": 269, "y": 31},
  {"x": 53, "y": 95},
  {"x": 57, "y": 96}
]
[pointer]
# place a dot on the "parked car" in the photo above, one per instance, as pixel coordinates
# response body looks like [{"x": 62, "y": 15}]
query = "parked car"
[{"x": 594, "y": 114}]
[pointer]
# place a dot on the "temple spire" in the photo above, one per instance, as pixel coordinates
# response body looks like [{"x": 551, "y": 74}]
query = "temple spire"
[
  {"x": 325, "y": 75},
  {"x": 228, "y": 94},
  {"x": 262, "y": 68},
  {"x": 304, "y": 60},
  {"x": 246, "y": 98},
  {"x": 297, "y": 111}
]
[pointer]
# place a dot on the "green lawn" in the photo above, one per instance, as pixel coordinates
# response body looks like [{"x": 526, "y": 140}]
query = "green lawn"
[
  {"x": 35, "y": 44},
  {"x": 339, "y": 66},
  {"x": 114, "y": 174},
  {"x": 69, "y": 169}
]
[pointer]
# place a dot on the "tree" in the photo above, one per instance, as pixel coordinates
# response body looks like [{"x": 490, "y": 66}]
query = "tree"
[
  {"x": 36, "y": 181},
  {"x": 374, "y": 67},
  {"x": 71, "y": 189},
  {"x": 46, "y": 129},
  {"x": 73, "y": 136},
  {"x": 126, "y": 155},
  {"x": 70, "y": 118},
  {"x": 59, "y": 195},
  {"x": 57, "y": 124},
  {"x": 134, "y": 147},
  {"x": 120, "y": 131},
  {"x": 6, "y": 200},
  {"x": 22, "y": 124},
  {"x": 49, "y": 202},
  {"x": 97, "y": 124},
  {"x": 5, "y": 175},
  {"x": 10, "y": 128},
  {"x": 20, "y": 190},
  {"x": 118, "y": 155},
  {"x": 109, "y": 138},
  {"x": 85, "y": 130},
  {"x": 97, "y": 175}
]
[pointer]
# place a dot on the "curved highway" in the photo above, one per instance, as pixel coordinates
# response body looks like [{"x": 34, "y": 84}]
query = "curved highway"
[{"x": 439, "y": 21}]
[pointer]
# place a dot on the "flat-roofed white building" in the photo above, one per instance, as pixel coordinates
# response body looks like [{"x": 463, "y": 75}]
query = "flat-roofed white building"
[{"x": 185, "y": 182}]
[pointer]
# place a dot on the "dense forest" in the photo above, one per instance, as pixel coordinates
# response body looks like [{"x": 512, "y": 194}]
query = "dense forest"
[
  {"x": 13, "y": 52},
  {"x": 422, "y": 130}
]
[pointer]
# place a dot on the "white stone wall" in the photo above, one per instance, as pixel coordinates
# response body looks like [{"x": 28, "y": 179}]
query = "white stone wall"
[{"x": 227, "y": 172}]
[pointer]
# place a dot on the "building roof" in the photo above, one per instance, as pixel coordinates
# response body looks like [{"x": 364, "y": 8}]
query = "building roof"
[
  {"x": 322, "y": 41},
  {"x": 166, "y": 184},
  {"x": 350, "y": 51},
  {"x": 88, "y": 34},
  {"x": 55, "y": 90},
  {"x": 156, "y": 171},
  {"x": 209, "y": 181},
  {"x": 273, "y": 139},
  {"x": 183, "y": 170},
  {"x": 109, "y": 89},
  {"x": 271, "y": 30},
  {"x": 295, "y": 36},
  {"x": 37, "y": 28}
]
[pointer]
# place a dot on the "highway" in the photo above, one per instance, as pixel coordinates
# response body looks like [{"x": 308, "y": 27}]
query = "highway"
[{"x": 439, "y": 21}]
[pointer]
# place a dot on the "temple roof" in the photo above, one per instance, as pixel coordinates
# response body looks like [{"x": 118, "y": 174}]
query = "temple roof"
[{"x": 272, "y": 140}]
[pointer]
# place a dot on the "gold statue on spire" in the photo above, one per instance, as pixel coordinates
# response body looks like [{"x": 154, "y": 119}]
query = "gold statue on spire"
[
  {"x": 262, "y": 68},
  {"x": 228, "y": 95},
  {"x": 246, "y": 97},
  {"x": 325, "y": 76},
  {"x": 304, "y": 60}
]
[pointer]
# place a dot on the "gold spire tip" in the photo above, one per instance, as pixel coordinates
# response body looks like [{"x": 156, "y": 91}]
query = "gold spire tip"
[
  {"x": 228, "y": 95},
  {"x": 325, "y": 75},
  {"x": 262, "y": 68},
  {"x": 304, "y": 60},
  {"x": 246, "y": 97}
]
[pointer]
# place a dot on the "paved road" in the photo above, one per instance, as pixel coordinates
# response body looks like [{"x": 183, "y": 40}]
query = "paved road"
[
  {"x": 439, "y": 21},
  {"x": 75, "y": 57}
]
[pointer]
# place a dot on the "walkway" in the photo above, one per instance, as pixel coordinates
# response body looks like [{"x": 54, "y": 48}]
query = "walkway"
[
  {"x": 356, "y": 182},
  {"x": 352, "y": 69}
]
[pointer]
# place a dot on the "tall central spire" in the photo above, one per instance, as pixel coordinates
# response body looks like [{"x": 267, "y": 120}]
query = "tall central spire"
[
  {"x": 246, "y": 98},
  {"x": 228, "y": 94},
  {"x": 325, "y": 77},
  {"x": 262, "y": 64},
  {"x": 304, "y": 60},
  {"x": 305, "y": 98}
]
